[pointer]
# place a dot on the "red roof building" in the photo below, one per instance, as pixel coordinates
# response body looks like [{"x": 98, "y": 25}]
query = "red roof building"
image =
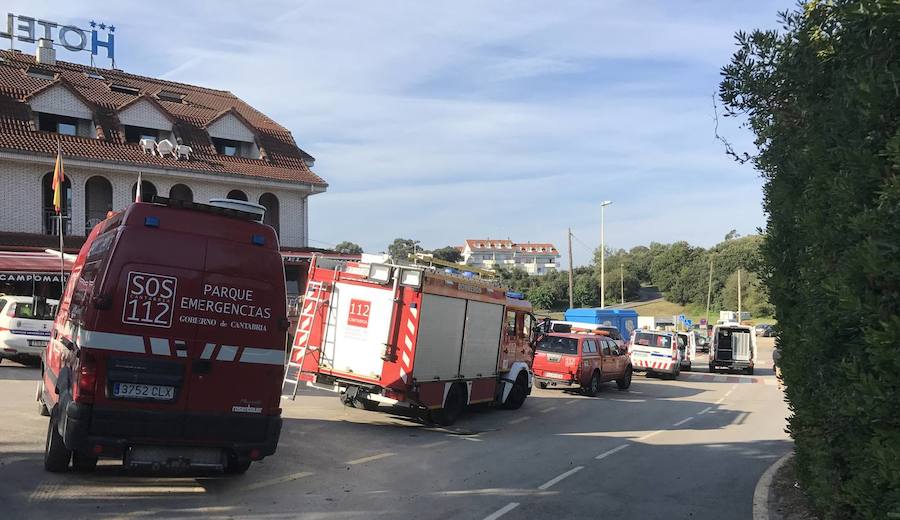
[{"x": 108, "y": 123}]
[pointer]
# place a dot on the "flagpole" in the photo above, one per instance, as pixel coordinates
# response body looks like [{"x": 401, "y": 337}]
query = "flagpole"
[{"x": 59, "y": 216}]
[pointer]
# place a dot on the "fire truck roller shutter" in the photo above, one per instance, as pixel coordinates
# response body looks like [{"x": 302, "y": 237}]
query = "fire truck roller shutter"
[
  {"x": 439, "y": 344},
  {"x": 359, "y": 319},
  {"x": 481, "y": 340}
]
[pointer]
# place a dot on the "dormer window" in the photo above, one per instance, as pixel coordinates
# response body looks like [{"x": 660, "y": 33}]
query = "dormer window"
[
  {"x": 168, "y": 95},
  {"x": 134, "y": 134},
  {"x": 58, "y": 124},
  {"x": 231, "y": 135}
]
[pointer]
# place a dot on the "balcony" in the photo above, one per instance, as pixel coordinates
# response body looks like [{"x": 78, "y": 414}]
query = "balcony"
[{"x": 51, "y": 223}]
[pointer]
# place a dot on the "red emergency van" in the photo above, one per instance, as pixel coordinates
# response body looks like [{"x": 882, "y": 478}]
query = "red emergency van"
[
  {"x": 577, "y": 360},
  {"x": 168, "y": 346}
]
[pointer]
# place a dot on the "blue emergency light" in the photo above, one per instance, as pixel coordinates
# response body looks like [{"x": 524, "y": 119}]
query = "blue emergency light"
[
  {"x": 515, "y": 295},
  {"x": 151, "y": 221}
]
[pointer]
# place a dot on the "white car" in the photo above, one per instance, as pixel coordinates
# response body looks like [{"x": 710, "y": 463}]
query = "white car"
[{"x": 25, "y": 324}]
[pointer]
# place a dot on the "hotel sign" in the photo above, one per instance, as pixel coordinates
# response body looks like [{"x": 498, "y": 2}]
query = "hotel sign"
[{"x": 30, "y": 30}]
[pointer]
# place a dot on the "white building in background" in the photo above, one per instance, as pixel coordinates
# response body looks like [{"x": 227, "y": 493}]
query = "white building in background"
[{"x": 533, "y": 258}]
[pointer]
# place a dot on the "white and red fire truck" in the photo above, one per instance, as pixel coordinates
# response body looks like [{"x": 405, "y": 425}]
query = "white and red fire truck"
[{"x": 430, "y": 339}]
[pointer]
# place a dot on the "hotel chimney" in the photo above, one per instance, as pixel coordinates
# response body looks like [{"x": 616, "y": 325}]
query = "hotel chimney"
[{"x": 46, "y": 54}]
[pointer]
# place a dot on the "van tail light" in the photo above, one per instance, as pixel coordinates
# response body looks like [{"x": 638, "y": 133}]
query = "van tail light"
[{"x": 87, "y": 379}]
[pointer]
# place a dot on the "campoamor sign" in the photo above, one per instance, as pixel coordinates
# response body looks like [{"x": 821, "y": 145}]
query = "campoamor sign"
[{"x": 30, "y": 30}]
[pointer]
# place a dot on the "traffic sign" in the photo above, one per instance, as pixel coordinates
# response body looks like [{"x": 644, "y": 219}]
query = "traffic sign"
[
  {"x": 688, "y": 322},
  {"x": 681, "y": 317},
  {"x": 703, "y": 321}
]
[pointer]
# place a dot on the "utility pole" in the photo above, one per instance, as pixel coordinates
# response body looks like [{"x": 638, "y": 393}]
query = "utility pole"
[
  {"x": 603, "y": 256},
  {"x": 739, "y": 294},
  {"x": 709, "y": 289},
  {"x": 571, "y": 280},
  {"x": 622, "y": 283}
]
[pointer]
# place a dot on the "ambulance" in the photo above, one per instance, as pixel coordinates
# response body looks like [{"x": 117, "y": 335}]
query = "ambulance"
[
  {"x": 656, "y": 352},
  {"x": 168, "y": 346},
  {"x": 433, "y": 340}
]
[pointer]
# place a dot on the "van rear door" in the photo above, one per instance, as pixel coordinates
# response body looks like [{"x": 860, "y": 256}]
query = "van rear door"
[
  {"x": 651, "y": 347},
  {"x": 236, "y": 354}
]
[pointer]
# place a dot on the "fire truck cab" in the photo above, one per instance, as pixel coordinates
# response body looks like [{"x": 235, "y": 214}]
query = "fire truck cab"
[
  {"x": 422, "y": 337},
  {"x": 168, "y": 346}
]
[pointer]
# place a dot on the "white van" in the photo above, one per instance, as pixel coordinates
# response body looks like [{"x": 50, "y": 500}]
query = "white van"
[
  {"x": 656, "y": 352},
  {"x": 733, "y": 347},
  {"x": 25, "y": 324}
]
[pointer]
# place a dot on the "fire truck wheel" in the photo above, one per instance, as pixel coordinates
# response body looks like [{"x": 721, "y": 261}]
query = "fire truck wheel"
[
  {"x": 453, "y": 406},
  {"x": 625, "y": 382},
  {"x": 56, "y": 456},
  {"x": 593, "y": 387},
  {"x": 83, "y": 462},
  {"x": 368, "y": 404},
  {"x": 518, "y": 393}
]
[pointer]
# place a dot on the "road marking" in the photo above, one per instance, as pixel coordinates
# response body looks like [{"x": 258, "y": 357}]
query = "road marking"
[
  {"x": 645, "y": 437},
  {"x": 371, "y": 458},
  {"x": 520, "y": 419},
  {"x": 279, "y": 480},
  {"x": 545, "y": 410},
  {"x": 557, "y": 479},
  {"x": 679, "y": 423},
  {"x": 571, "y": 401},
  {"x": 720, "y": 400},
  {"x": 610, "y": 452},
  {"x": 703, "y": 411},
  {"x": 502, "y": 511},
  {"x": 434, "y": 444}
]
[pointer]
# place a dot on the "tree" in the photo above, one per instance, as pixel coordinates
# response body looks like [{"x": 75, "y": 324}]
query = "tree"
[
  {"x": 586, "y": 292},
  {"x": 823, "y": 99},
  {"x": 348, "y": 248},
  {"x": 401, "y": 248},
  {"x": 666, "y": 266},
  {"x": 732, "y": 234},
  {"x": 541, "y": 297},
  {"x": 448, "y": 254}
]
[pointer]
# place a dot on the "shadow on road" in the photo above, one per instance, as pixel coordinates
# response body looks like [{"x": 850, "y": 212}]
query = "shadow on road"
[{"x": 10, "y": 371}]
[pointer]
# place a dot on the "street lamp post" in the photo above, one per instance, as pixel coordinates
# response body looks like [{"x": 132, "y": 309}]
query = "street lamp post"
[{"x": 603, "y": 256}]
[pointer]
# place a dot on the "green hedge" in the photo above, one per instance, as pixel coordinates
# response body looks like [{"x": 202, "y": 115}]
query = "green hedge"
[{"x": 823, "y": 98}]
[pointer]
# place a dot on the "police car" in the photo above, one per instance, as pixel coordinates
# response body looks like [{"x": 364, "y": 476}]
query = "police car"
[{"x": 25, "y": 324}]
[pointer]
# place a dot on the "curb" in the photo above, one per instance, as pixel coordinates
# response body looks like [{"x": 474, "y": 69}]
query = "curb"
[{"x": 761, "y": 493}]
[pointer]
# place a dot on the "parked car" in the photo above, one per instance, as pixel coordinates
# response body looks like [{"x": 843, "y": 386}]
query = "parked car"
[
  {"x": 585, "y": 361},
  {"x": 168, "y": 347},
  {"x": 702, "y": 343},
  {"x": 656, "y": 352},
  {"x": 765, "y": 330},
  {"x": 25, "y": 324}
]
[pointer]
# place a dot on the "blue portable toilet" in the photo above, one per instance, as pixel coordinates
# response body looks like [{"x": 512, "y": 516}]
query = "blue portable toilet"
[{"x": 623, "y": 319}]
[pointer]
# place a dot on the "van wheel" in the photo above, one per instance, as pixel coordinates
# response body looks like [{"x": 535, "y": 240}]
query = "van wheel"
[
  {"x": 83, "y": 462},
  {"x": 56, "y": 456},
  {"x": 453, "y": 407},
  {"x": 237, "y": 466},
  {"x": 748, "y": 371},
  {"x": 625, "y": 382},
  {"x": 712, "y": 369},
  {"x": 593, "y": 387},
  {"x": 518, "y": 393}
]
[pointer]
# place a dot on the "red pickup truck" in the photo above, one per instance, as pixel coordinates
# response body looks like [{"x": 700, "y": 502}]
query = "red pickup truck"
[{"x": 585, "y": 361}]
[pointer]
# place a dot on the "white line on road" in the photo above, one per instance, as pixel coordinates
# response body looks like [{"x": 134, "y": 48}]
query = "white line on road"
[
  {"x": 434, "y": 444},
  {"x": 520, "y": 419},
  {"x": 371, "y": 458},
  {"x": 571, "y": 401},
  {"x": 610, "y": 452},
  {"x": 645, "y": 437},
  {"x": 279, "y": 480},
  {"x": 679, "y": 423},
  {"x": 703, "y": 411},
  {"x": 557, "y": 479},
  {"x": 502, "y": 511},
  {"x": 720, "y": 400},
  {"x": 545, "y": 410}
]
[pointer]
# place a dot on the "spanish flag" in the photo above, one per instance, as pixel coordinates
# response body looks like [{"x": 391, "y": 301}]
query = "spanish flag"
[{"x": 59, "y": 177}]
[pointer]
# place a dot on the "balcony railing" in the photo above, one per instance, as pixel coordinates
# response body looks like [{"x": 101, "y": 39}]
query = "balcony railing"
[{"x": 51, "y": 223}]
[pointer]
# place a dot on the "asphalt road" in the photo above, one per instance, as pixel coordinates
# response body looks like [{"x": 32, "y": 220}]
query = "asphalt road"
[{"x": 692, "y": 448}]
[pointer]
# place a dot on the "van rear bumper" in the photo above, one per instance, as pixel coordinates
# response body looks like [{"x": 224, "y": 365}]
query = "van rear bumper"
[{"x": 113, "y": 431}]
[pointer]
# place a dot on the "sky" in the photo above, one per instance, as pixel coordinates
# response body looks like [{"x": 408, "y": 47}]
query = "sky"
[{"x": 447, "y": 120}]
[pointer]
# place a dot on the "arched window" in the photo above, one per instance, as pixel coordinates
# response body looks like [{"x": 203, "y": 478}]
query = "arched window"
[
  {"x": 51, "y": 220},
  {"x": 237, "y": 195},
  {"x": 181, "y": 192},
  {"x": 97, "y": 201},
  {"x": 270, "y": 202},
  {"x": 148, "y": 191}
]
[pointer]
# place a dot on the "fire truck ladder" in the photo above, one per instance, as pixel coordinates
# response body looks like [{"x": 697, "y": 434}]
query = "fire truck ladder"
[{"x": 313, "y": 303}]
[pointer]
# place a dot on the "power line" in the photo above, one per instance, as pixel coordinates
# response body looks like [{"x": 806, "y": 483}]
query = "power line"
[{"x": 589, "y": 248}]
